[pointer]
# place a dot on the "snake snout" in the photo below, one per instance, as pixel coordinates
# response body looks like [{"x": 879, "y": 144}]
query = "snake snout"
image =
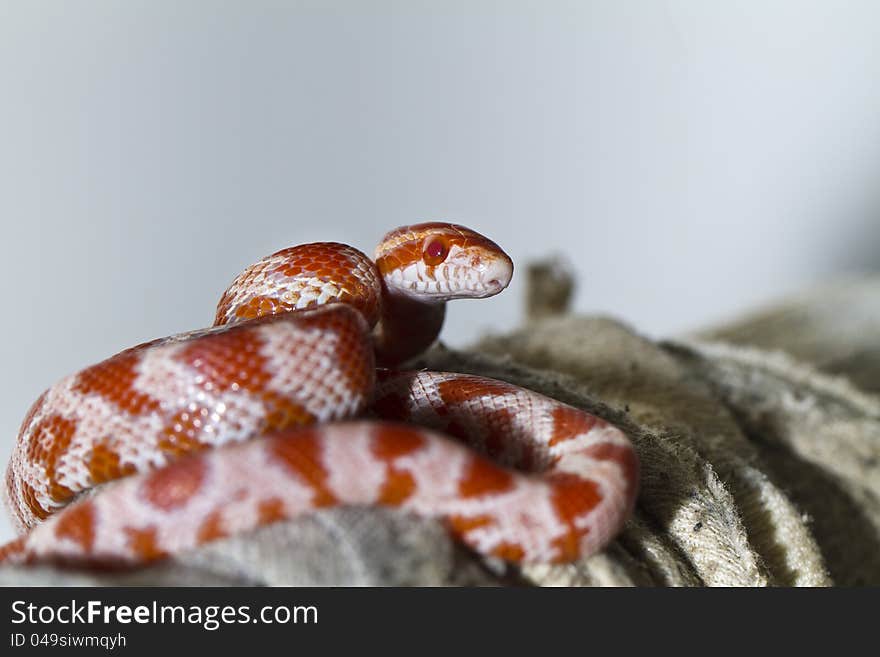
[{"x": 498, "y": 275}]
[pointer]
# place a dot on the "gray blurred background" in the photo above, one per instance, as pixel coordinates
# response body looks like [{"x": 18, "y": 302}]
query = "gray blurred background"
[{"x": 690, "y": 159}]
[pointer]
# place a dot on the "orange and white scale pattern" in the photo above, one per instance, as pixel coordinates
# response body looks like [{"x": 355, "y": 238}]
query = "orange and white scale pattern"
[
  {"x": 541, "y": 481},
  {"x": 301, "y": 277},
  {"x": 148, "y": 405},
  {"x": 554, "y": 482},
  {"x": 206, "y": 430}
]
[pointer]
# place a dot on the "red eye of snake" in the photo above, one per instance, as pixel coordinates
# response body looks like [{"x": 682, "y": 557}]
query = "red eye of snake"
[{"x": 435, "y": 251}]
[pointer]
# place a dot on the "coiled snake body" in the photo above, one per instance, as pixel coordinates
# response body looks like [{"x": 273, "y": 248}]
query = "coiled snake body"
[{"x": 279, "y": 409}]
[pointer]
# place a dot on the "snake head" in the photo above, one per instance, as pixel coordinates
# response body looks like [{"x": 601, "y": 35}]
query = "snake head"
[{"x": 442, "y": 261}]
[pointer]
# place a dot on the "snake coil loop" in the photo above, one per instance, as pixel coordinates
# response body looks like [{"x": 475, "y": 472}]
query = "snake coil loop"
[{"x": 260, "y": 418}]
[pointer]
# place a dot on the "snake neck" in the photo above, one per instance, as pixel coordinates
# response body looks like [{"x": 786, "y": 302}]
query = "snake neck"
[{"x": 406, "y": 327}]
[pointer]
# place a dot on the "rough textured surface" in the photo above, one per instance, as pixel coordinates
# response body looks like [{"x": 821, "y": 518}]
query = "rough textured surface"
[
  {"x": 833, "y": 327},
  {"x": 758, "y": 467}
]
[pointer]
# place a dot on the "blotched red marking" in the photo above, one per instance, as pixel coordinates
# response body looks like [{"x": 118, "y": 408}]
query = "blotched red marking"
[
  {"x": 211, "y": 528},
  {"x": 103, "y": 464},
  {"x": 398, "y": 487},
  {"x": 461, "y": 525},
  {"x": 389, "y": 443},
  {"x": 483, "y": 477},
  {"x": 569, "y": 422},
  {"x": 172, "y": 486},
  {"x": 270, "y": 510},
  {"x": 512, "y": 552},
  {"x": 77, "y": 524},
  {"x": 235, "y": 358},
  {"x": 282, "y": 412},
  {"x": 113, "y": 379},
  {"x": 572, "y": 498},
  {"x": 393, "y": 441},
  {"x": 229, "y": 358},
  {"x": 497, "y": 423},
  {"x": 144, "y": 542},
  {"x": 300, "y": 452},
  {"x": 464, "y": 388}
]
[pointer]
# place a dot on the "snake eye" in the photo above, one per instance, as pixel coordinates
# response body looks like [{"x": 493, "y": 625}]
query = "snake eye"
[{"x": 435, "y": 251}]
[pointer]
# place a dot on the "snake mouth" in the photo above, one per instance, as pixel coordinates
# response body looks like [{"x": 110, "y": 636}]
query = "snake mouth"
[
  {"x": 498, "y": 275},
  {"x": 451, "y": 280},
  {"x": 487, "y": 289},
  {"x": 486, "y": 283}
]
